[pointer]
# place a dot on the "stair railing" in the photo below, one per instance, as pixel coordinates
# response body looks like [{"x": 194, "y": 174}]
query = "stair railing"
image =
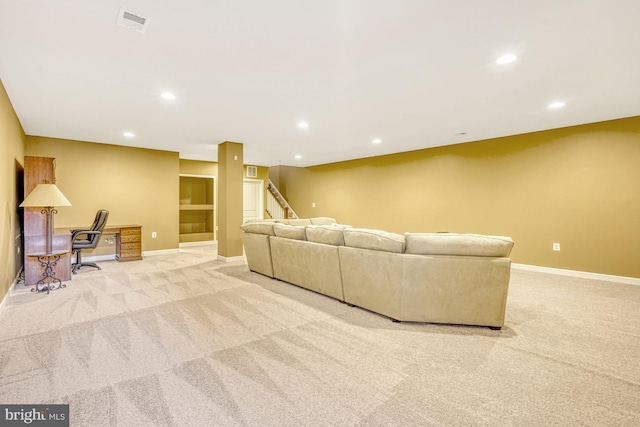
[{"x": 277, "y": 206}]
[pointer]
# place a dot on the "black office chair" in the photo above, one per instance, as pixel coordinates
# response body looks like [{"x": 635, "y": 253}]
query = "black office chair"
[{"x": 88, "y": 239}]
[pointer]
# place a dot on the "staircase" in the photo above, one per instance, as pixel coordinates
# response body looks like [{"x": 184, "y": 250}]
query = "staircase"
[{"x": 277, "y": 206}]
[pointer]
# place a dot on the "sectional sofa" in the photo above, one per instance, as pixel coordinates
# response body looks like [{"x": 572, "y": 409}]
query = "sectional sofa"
[{"x": 416, "y": 277}]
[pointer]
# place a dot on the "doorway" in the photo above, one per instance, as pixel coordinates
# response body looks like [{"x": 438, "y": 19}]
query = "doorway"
[{"x": 253, "y": 199}]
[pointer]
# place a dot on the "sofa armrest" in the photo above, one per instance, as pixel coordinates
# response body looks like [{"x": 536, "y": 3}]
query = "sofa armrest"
[
  {"x": 258, "y": 253},
  {"x": 455, "y": 289}
]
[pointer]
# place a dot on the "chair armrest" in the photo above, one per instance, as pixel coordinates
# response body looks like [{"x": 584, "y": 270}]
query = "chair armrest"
[
  {"x": 76, "y": 233},
  {"x": 79, "y": 231}
]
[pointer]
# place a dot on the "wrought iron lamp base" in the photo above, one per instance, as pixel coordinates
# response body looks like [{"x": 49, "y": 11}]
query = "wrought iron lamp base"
[{"x": 49, "y": 281}]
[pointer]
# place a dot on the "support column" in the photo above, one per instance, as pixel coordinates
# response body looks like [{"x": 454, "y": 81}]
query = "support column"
[{"x": 230, "y": 209}]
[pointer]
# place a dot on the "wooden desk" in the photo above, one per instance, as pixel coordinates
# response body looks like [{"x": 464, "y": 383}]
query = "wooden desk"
[{"x": 128, "y": 241}]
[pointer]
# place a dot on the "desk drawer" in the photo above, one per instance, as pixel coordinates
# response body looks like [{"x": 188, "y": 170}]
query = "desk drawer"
[
  {"x": 127, "y": 238},
  {"x": 134, "y": 246},
  {"x": 127, "y": 232},
  {"x": 130, "y": 231},
  {"x": 130, "y": 252}
]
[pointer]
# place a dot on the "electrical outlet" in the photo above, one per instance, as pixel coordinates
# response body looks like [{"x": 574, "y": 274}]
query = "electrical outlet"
[
  {"x": 313, "y": 205},
  {"x": 154, "y": 235},
  {"x": 556, "y": 246}
]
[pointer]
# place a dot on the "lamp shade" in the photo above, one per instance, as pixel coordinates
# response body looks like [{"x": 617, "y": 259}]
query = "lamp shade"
[{"x": 45, "y": 195}]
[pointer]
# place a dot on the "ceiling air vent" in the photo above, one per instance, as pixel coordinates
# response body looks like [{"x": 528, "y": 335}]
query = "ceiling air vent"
[
  {"x": 252, "y": 171},
  {"x": 132, "y": 21}
]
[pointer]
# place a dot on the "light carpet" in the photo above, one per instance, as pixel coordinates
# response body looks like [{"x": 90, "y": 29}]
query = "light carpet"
[{"x": 186, "y": 340}]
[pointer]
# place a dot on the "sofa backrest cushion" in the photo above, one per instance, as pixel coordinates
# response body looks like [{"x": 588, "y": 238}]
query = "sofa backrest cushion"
[
  {"x": 322, "y": 220},
  {"x": 341, "y": 226},
  {"x": 258, "y": 227},
  {"x": 327, "y": 234},
  {"x": 297, "y": 221},
  {"x": 458, "y": 244},
  {"x": 377, "y": 240},
  {"x": 296, "y": 232}
]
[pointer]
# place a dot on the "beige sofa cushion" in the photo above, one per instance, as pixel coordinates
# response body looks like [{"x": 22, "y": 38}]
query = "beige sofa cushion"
[
  {"x": 258, "y": 227},
  {"x": 327, "y": 234},
  {"x": 341, "y": 226},
  {"x": 310, "y": 265},
  {"x": 296, "y": 232},
  {"x": 322, "y": 220},
  {"x": 297, "y": 221},
  {"x": 377, "y": 240},
  {"x": 458, "y": 244}
]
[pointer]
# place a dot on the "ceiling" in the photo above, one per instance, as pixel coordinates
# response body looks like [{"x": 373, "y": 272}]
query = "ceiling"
[{"x": 412, "y": 73}]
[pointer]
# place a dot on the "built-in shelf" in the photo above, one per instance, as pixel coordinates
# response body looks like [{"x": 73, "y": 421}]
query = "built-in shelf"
[
  {"x": 196, "y": 208},
  {"x": 195, "y": 237}
]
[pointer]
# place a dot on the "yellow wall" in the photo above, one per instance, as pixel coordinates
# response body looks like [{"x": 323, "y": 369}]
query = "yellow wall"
[
  {"x": 198, "y": 167},
  {"x": 201, "y": 167},
  {"x": 12, "y": 144},
  {"x": 578, "y": 186},
  {"x": 136, "y": 186}
]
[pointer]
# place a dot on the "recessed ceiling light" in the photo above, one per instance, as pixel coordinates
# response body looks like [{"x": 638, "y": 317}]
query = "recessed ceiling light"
[
  {"x": 557, "y": 104},
  {"x": 376, "y": 140},
  {"x": 298, "y": 156},
  {"x": 129, "y": 134},
  {"x": 303, "y": 125},
  {"x": 506, "y": 58},
  {"x": 168, "y": 95}
]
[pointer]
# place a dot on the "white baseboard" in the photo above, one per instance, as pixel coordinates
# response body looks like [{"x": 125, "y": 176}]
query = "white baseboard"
[
  {"x": 201, "y": 243},
  {"x": 231, "y": 259},
  {"x": 96, "y": 258},
  {"x": 112, "y": 257},
  {"x": 11, "y": 288},
  {"x": 161, "y": 252},
  {"x": 4, "y": 299},
  {"x": 581, "y": 274}
]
